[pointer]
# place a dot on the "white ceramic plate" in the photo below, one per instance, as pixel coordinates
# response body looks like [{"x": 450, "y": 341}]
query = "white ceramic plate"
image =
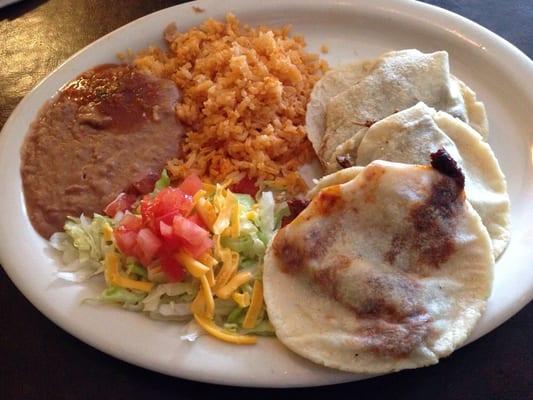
[{"x": 499, "y": 73}]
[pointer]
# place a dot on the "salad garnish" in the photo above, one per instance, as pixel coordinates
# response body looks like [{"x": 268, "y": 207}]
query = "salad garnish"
[{"x": 191, "y": 252}]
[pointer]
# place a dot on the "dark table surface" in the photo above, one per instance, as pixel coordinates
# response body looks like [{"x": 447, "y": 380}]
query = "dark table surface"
[{"x": 38, "y": 360}]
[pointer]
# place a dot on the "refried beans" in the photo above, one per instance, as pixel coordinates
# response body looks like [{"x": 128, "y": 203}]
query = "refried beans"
[{"x": 109, "y": 128}]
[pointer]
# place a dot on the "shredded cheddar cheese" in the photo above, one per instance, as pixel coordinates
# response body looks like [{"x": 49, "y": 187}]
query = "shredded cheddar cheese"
[
  {"x": 255, "y": 306},
  {"x": 207, "y": 212},
  {"x": 209, "y": 301},
  {"x": 224, "y": 215},
  {"x": 210, "y": 275},
  {"x": 217, "y": 247},
  {"x": 240, "y": 279},
  {"x": 208, "y": 187},
  {"x": 113, "y": 277},
  {"x": 242, "y": 299},
  {"x": 216, "y": 271},
  {"x": 219, "y": 198},
  {"x": 107, "y": 232},
  {"x": 208, "y": 260},
  {"x": 195, "y": 268},
  {"x": 235, "y": 223},
  {"x": 199, "y": 194},
  {"x": 198, "y": 304},
  {"x": 230, "y": 263},
  {"x": 222, "y": 334},
  {"x": 251, "y": 215}
]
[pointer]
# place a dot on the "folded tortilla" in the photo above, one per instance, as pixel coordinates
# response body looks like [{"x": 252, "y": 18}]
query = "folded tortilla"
[
  {"x": 387, "y": 271},
  {"x": 346, "y": 101},
  {"x": 411, "y": 135}
]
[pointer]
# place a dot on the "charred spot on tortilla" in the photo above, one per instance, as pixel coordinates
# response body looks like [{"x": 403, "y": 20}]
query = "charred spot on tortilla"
[
  {"x": 326, "y": 277},
  {"x": 291, "y": 255},
  {"x": 433, "y": 225},
  {"x": 393, "y": 298},
  {"x": 445, "y": 164},
  {"x": 295, "y": 253},
  {"x": 368, "y": 123},
  {"x": 435, "y": 220},
  {"x": 397, "y": 340},
  {"x": 406, "y": 323},
  {"x": 373, "y": 174},
  {"x": 398, "y": 242},
  {"x": 328, "y": 200},
  {"x": 345, "y": 160}
]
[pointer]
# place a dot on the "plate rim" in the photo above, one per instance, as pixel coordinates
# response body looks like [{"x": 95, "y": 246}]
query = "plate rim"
[{"x": 464, "y": 27}]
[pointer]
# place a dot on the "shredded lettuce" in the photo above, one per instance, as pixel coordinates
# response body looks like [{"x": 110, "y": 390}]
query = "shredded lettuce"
[
  {"x": 170, "y": 299},
  {"x": 258, "y": 222},
  {"x": 245, "y": 201},
  {"x": 223, "y": 308},
  {"x": 249, "y": 246},
  {"x": 267, "y": 222},
  {"x": 264, "y": 328},
  {"x": 156, "y": 274},
  {"x": 280, "y": 210},
  {"x": 83, "y": 247},
  {"x": 255, "y": 232},
  {"x": 173, "y": 309},
  {"x": 162, "y": 182},
  {"x": 235, "y": 315},
  {"x": 115, "y": 294},
  {"x": 135, "y": 269}
]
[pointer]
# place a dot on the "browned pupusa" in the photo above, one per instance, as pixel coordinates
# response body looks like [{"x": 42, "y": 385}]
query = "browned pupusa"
[
  {"x": 411, "y": 135},
  {"x": 390, "y": 270}
]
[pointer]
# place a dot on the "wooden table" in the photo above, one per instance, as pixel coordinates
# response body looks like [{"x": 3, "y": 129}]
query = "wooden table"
[{"x": 38, "y": 360}]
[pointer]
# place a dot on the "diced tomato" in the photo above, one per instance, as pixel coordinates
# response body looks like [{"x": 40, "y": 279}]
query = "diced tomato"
[
  {"x": 172, "y": 244},
  {"x": 197, "y": 220},
  {"x": 188, "y": 230},
  {"x": 131, "y": 222},
  {"x": 170, "y": 200},
  {"x": 126, "y": 240},
  {"x": 167, "y": 218},
  {"x": 148, "y": 243},
  {"x": 167, "y": 203},
  {"x": 172, "y": 269},
  {"x": 196, "y": 239},
  {"x": 245, "y": 186},
  {"x": 147, "y": 209},
  {"x": 187, "y": 206},
  {"x": 126, "y": 234},
  {"x": 196, "y": 251},
  {"x": 165, "y": 229},
  {"x": 122, "y": 202},
  {"x": 191, "y": 185}
]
